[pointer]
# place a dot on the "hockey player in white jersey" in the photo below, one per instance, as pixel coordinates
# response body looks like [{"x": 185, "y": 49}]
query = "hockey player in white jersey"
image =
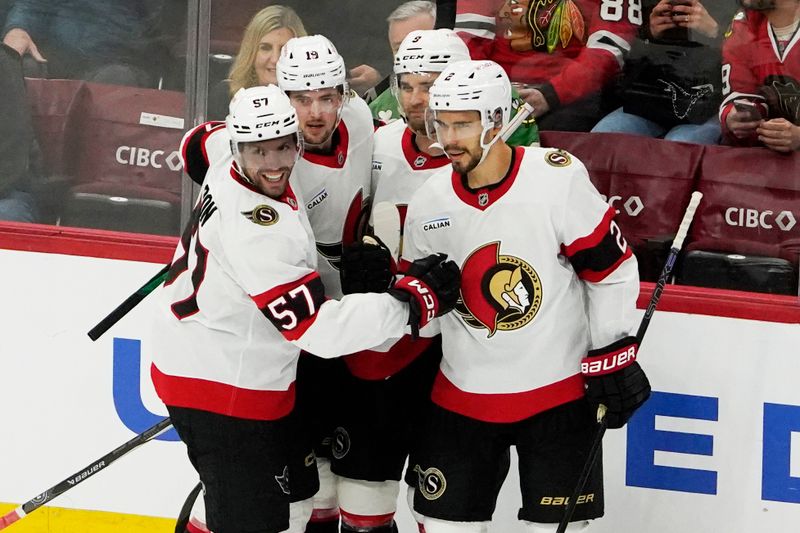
[
  {"x": 548, "y": 283},
  {"x": 333, "y": 177},
  {"x": 375, "y": 426},
  {"x": 241, "y": 300}
]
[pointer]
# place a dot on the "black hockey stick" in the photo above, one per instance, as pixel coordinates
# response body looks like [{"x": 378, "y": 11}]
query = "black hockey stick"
[
  {"x": 130, "y": 302},
  {"x": 677, "y": 244},
  {"x": 82, "y": 475}
]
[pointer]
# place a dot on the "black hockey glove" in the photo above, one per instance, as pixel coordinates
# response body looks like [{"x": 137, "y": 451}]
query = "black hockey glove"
[
  {"x": 431, "y": 287},
  {"x": 615, "y": 379},
  {"x": 366, "y": 267}
]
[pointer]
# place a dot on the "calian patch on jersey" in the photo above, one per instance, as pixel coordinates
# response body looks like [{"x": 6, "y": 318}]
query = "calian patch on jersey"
[
  {"x": 437, "y": 223},
  {"x": 263, "y": 215},
  {"x": 318, "y": 199},
  {"x": 498, "y": 292}
]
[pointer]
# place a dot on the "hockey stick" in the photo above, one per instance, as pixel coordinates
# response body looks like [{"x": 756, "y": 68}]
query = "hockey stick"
[
  {"x": 82, "y": 475},
  {"x": 677, "y": 244},
  {"x": 130, "y": 302}
]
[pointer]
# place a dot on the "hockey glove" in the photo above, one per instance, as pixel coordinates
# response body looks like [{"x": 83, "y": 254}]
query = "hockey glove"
[
  {"x": 431, "y": 287},
  {"x": 615, "y": 379},
  {"x": 366, "y": 267}
]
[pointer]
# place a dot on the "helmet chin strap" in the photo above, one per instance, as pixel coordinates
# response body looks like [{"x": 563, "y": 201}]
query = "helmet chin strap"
[{"x": 487, "y": 146}]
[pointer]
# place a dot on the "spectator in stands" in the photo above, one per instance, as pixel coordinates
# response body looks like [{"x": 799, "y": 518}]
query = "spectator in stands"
[
  {"x": 407, "y": 17},
  {"x": 561, "y": 55},
  {"x": 16, "y": 138},
  {"x": 672, "y": 84},
  {"x": 114, "y": 41},
  {"x": 761, "y": 76},
  {"x": 263, "y": 39}
]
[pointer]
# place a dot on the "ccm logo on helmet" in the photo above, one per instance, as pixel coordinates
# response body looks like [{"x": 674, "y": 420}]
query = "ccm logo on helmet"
[
  {"x": 427, "y": 298},
  {"x": 268, "y": 124}
]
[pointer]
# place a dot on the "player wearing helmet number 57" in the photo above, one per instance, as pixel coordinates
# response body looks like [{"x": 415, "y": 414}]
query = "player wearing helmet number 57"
[{"x": 241, "y": 300}]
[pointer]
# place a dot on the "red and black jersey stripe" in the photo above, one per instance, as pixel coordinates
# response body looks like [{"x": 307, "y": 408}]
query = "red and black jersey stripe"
[
  {"x": 292, "y": 307},
  {"x": 598, "y": 254},
  {"x": 193, "y": 150}
]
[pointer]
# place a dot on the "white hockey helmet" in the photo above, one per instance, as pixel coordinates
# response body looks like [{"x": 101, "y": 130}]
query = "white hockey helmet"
[
  {"x": 311, "y": 62},
  {"x": 259, "y": 114},
  {"x": 481, "y": 86},
  {"x": 429, "y": 51}
]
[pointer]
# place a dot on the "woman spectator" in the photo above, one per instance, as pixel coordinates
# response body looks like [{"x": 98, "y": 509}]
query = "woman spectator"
[
  {"x": 263, "y": 39},
  {"x": 672, "y": 85}
]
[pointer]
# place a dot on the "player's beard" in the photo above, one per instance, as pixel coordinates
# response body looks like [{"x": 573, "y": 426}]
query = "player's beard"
[
  {"x": 465, "y": 161},
  {"x": 316, "y": 134},
  {"x": 415, "y": 120}
]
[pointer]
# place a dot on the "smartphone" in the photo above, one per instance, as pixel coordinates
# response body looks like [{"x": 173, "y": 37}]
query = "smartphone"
[{"x": 748, "y": 108}]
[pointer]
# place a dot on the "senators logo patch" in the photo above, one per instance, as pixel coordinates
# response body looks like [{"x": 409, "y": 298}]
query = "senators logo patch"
[
  {"x": 498, "y": 292},
  {"x": 340, "y": 445},
  {"x": 558, "y": 158},
  {"x": 263, "y": 215},
  {"x": 431, "y": 481}
]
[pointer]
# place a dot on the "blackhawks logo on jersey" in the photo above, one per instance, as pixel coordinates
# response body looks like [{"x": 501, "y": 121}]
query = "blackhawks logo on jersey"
[{"x": 498, "y": 292}]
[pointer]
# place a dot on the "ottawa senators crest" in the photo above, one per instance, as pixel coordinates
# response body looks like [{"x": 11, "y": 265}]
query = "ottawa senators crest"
[{"x": 498, "y": 292}]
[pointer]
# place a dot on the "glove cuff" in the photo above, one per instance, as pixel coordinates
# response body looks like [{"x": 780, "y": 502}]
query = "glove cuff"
[
  {"x": 424, "y": 297},
  {"x": 610, "y": 359}
]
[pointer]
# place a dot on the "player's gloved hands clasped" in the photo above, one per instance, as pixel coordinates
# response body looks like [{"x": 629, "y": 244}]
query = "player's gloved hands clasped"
[
  {"x": 431, "y": 287},
  {"x": 366, "y": 267},
  {"x": 615, "y": 379}
]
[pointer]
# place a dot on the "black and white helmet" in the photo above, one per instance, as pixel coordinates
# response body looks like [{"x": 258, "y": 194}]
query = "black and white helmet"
[
  {"x": 481, "y": 86},
  {"x": 429, "y": 51},
  {"x": 259, "y": 114},
  {"x": 309, "y": 63}
]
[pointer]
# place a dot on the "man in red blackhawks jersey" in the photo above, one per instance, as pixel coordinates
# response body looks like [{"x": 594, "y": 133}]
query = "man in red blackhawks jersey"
[
  {"x": 761, "y": 76},
  {"x": 380, "y": 405},
  {"x": 542, "y": 330},
  {"x": 241, "y": 300}
]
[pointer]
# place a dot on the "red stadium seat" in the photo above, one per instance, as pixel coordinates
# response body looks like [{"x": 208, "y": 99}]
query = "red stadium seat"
[
  {"x": 127, "y": 160},
  {"x": 747, "y": 225},
  {"x": 648, "y": 180}
]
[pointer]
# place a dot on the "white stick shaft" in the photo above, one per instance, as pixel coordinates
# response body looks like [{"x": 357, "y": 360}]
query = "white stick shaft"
[
  {"x": 522, "y": 115},
  {"x": 683, "y": 229}
]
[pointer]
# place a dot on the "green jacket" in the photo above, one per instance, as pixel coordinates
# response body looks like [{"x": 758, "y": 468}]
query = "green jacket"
[{"x": 386, "y": 109}]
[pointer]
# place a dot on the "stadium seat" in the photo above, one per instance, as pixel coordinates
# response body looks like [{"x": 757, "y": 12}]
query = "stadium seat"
[
  {"x": 128, "y": 170},
  {"x": 746, "y": 226},
  {"x": 649, "y": 181}
]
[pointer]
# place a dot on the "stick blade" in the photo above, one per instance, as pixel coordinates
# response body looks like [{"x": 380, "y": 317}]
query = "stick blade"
[{"x": 386, "y": 224}]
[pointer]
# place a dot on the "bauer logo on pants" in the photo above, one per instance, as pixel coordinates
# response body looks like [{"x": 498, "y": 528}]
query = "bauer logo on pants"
[
  {"x": 431, "y": 481},
  {"x": 341, "y": 443}
]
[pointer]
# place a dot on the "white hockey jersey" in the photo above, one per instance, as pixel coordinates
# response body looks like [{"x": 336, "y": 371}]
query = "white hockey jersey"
[
  {"x": 243, "y": 297},
  {"x": 546, "y": 275},
  {"x": 336, "y": 190},
  {"x": 399, "y": 169}
]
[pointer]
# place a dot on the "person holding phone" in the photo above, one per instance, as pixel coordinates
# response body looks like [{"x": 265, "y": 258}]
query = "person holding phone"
[
  {"x": 760, "y": 74},
  {"x": 671, "y": 86}
]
